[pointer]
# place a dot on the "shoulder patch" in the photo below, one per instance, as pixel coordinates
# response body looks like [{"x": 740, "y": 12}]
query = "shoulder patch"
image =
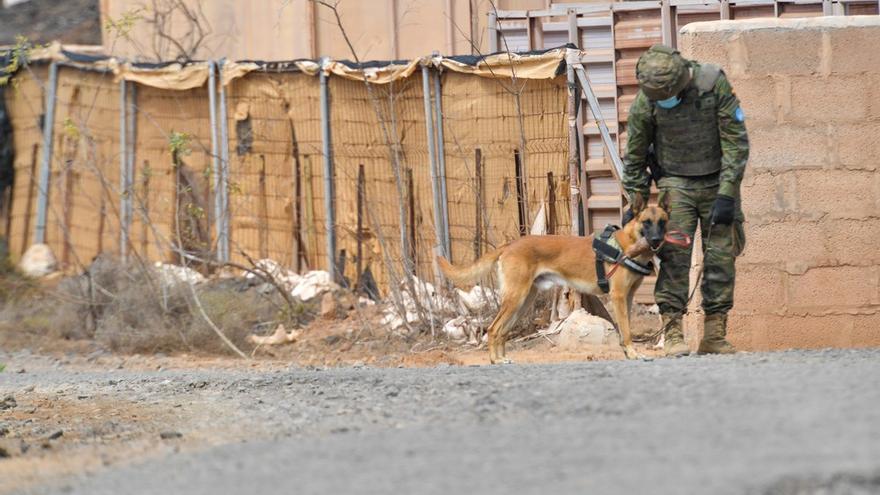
[
  {"x": 739, "y": 115},
  {"x": 706, "y": 77}
]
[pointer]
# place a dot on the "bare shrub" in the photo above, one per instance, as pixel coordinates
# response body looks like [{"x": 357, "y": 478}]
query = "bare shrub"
[{"x": 131, "y": 309}]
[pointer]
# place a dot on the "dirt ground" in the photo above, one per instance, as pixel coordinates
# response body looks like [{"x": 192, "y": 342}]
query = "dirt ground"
[
  {"x": 796, "y": 422},
  {"x": 56, "y": 429}
]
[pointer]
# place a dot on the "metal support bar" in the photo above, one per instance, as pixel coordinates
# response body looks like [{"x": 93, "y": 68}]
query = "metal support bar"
[
  {"x": 127, "y": 145},
  {"x": 493, "y": 32},
  {"x": 827, "y": 8},
  {"x": 725, "y": 9},
  {"x": 610, "y": 146},
  {"x": 441, "y": 166},
  {"x": 573, "y": 154},
  {"x": 46, "y": 161},
  {"x": 584, "y": 216},
  {"x": 215, "y": 153},
  {"x": 329, "y": 203},
  {"x": 223, "y": 234},
  {"x": 123, "y": 171},
  {"x": 132, "y": 139},
  {"x": 667, "y": 22},
  {"x": 435, "y": 181}
]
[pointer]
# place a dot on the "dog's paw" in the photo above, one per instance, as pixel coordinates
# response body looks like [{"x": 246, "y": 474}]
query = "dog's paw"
[{"x": 631, "y": 353}]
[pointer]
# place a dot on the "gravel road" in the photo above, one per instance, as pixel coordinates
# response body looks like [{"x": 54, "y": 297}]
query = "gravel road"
[{"x": 791, "y": 422}]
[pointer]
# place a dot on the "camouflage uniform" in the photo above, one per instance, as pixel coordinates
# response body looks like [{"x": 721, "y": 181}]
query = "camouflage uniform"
[{"x": 702, "y": 149}]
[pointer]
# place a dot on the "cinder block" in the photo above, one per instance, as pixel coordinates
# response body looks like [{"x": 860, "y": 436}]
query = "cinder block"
[
  {"x": 779, "y": 147},
  {"x": 837, "y": 193},
  {"x": 774, "y": 332},
  {"x": 760, "y": 289},
  {"x": 854, "y": 49},
  {"x": 865, "y": 332},
  {"x": 785, "y": 242},
  {"x": 757, "y": 98},
  {"x": 854, "y": 149},
  {"x": 792, "y": 52},
  {"x": 852, "y": 241},
  {"x": 833, "y": 288},
  {"x": 705, "y": 47},
  {"x": 828, "y": 99},
  {"x": 767, "y": 196}
]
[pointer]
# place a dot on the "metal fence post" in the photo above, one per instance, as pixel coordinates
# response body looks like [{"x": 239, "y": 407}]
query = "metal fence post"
[
  {"x": 132, "y": 142},
  {"x": 223, "y": 234},
  {"x": 46, "y": 161},
  {"x": 493, "y": 32},
  {"x": 123, "y": 171},
  {"x": 329, "y": 193},
  {"x": 215, "y": 153},
  {"x": 432, "y": 156},
  {"x": 441, "y": 166},
  {"x": 573, "y": 154}
]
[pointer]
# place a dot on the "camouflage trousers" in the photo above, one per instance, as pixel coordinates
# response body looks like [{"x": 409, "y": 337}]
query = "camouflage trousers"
[{"x": 687, "y": 208}]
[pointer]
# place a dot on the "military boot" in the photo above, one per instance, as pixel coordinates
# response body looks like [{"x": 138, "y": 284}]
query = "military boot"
[
  {"x": 714, "y": 333},
  {"x": 673, "y": 338}
]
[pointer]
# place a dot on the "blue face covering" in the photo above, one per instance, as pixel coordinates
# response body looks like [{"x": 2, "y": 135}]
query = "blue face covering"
[{"x": 669, "y": 102}]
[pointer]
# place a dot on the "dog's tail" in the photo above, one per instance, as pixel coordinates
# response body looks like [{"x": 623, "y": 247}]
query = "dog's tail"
[{"x": 473, "y": 273}]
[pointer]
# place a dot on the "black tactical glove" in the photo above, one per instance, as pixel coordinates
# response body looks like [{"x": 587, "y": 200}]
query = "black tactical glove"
[
  {"x": 628, "y": 216},
  {"x": 723, "y": 210}
]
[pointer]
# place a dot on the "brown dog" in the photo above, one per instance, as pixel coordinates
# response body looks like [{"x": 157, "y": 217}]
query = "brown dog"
[{"x": 540, "y": 262}]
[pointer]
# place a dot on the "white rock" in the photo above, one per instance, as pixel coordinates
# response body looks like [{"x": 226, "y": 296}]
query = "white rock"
[
  {"x": 282, "y": 276},
  {"x": 456, "y": 329},
  {"x": 313, "y": 284},
  {"x": 280, "y": 336},
  {"x": 582, "y": 328},
  {"x": 38, "y": 261},
  {"x": 478, "y": 299},
  {"x": 174, "y": 274}
]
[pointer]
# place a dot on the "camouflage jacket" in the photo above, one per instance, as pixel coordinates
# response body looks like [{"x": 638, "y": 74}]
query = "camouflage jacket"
[{"x": 731, "y": 131}]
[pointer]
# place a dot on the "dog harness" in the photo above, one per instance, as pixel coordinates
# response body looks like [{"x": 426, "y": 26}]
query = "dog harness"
[{"x": 607, "y": 251}]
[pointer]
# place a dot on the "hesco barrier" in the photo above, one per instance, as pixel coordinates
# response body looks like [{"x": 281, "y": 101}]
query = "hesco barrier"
[{"x": 142, "y": 188}]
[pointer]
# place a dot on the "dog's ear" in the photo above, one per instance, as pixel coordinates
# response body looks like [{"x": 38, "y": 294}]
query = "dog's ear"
[
  {"x": 638, "y": 203},
  {"x": 663, "y": 201}
]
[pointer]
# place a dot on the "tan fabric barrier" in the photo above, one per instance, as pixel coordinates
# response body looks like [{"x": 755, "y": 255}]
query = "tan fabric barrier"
[{"x": 276, "y": 183}]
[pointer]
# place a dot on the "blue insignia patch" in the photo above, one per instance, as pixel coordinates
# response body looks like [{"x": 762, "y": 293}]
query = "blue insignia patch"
[{"x": 740, "y": 116}]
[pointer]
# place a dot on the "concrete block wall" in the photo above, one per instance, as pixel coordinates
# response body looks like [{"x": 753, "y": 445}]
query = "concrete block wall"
[{"x": 810, "y": 90}]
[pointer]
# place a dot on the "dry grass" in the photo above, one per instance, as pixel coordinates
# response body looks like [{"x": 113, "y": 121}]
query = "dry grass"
[{"x": 128, "y": 309}]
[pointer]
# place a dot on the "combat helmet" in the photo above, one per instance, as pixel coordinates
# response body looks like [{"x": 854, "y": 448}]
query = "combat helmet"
[{"x": 662, "y": 72}]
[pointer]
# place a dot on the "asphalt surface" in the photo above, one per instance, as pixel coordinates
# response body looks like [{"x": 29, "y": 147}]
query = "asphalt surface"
[{"x": 777, "y": 423}]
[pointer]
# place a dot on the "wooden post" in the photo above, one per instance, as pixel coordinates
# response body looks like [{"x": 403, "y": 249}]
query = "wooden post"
[
  {"x": 411, "y": 202},
  {"x": 478, "y": 210},
  {"x": 520, "y": 193},
  {"x": 263, "y": 223},
  {"x": 551, "y": 204}
]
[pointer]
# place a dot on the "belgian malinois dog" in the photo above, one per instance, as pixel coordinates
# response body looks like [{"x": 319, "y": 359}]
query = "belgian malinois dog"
[{"x": 534, "y": 263}]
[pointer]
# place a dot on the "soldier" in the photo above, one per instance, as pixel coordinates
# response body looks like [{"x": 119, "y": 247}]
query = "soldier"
[{"x": 687, "y": 112}]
